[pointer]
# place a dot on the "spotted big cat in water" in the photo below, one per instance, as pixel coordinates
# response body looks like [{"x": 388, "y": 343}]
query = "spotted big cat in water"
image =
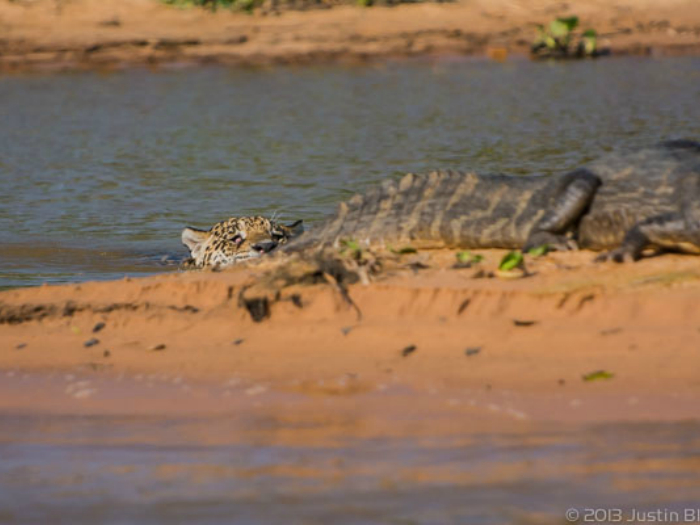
[{"x": 235, "y": 240}]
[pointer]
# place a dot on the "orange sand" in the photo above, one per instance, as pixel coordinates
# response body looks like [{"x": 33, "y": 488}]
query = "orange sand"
[
  {"x": 637, "y": 321},
  {"x": 95, "y": 33}
]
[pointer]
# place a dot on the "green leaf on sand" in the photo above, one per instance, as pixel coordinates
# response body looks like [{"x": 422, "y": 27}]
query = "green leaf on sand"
[
  {"x": 510, "y": 261},
  {"x": 467, "y": 257},
  {"x": 598, "y": 375},
  {"x": 539, "y": 251}
]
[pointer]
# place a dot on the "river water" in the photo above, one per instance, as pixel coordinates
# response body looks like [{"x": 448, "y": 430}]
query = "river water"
[{"x": 100, "y": 172}]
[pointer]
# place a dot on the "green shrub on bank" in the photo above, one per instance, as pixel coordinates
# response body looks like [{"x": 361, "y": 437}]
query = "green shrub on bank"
[{"x": 558, "y": 40}]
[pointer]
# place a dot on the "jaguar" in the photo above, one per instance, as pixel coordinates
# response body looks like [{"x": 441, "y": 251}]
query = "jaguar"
[{"x": 235, "y": 240}]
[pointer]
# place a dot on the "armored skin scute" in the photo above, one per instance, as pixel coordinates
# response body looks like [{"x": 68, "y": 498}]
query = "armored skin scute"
[{"x": 625, "y": 202}]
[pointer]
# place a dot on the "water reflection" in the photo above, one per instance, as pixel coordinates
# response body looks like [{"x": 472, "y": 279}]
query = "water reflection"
[{"x": 152, "y": 470}]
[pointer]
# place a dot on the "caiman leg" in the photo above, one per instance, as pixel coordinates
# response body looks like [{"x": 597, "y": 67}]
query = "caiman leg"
[
  {"x": 578, "y": 190},
  {"x": 669, "y": 231}
]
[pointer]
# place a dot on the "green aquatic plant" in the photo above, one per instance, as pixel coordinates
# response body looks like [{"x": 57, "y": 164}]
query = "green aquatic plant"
[{"x": 556, "y": 38}]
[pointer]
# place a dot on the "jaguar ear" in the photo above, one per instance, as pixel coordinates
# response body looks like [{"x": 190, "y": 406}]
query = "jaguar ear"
[
  {"x": 294, "y": 229},
  {"x": 194, "y": 239}
]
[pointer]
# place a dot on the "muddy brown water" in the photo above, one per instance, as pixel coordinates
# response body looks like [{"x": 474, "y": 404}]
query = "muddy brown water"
[
  {"x": 264, "y": 458},
  {"x": 101, "y": 171}
]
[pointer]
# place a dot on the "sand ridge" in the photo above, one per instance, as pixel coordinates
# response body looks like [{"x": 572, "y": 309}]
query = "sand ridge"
[{"x": 417, "y": 331}]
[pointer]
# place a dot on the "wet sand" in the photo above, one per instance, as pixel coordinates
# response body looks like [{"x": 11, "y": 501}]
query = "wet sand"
[{"x": 52, "y": 35}]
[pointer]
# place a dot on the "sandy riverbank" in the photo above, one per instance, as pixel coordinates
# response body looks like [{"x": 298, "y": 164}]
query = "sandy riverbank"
[
  {"x": 486, "y": 348},
  {"x": 46, "y": 34}
]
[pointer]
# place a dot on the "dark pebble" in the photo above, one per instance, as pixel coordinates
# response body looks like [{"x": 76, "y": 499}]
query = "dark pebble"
[
  {"x": 106, "y": 353},
  {"x": 21, "y": 345},
  {"x": 417, "y": 266},
  {"x": 91, "y": 342},
  {"x": 238, "y": 341},
  {"x": 158, "y": 348},
  {"x": 520, "y": 322},
  {"x": 99, "y": 326},
  {"x": 296, "y": 300},
  {"x": 562, "y": 382},
  {"x": 408, "y": 350},
  {"x": 472, "y": 351},
  {"x": 463, "y": 306},
  {"x": 346, "y": 330}
]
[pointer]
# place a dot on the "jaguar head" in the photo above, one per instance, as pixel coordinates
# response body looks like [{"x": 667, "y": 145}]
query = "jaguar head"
[{"x": 236, "y": 240}]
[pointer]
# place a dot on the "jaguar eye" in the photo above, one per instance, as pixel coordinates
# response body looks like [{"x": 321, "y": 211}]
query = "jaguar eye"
[{"x": 238, "y": 238}]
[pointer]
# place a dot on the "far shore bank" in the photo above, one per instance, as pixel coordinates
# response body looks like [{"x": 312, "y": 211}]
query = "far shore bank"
[{"x": 91, "y": 34}]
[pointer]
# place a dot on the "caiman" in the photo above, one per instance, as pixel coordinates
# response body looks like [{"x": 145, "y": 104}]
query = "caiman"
[{"x": 624, "y": 203}]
